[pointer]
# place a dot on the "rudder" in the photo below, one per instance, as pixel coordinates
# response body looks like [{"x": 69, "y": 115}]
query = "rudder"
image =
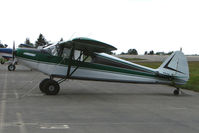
[{"x": 176, "y": 66}]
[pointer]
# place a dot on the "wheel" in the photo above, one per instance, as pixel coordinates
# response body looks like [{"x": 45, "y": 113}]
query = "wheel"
[
  {"x": 176, "y": 92},
  {"x": 51, "y": 87},
  {"x": 11, "y": 67},
  {"x": 41, "y": 85},
  {"x": 2, "y": 62}
]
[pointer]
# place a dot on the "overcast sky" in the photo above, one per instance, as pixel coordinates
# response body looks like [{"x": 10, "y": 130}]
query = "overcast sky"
[{"x": 159, "y": 25}]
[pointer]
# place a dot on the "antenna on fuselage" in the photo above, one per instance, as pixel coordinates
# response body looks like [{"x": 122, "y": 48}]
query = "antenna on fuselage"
[{"x": 72, "y": 35}]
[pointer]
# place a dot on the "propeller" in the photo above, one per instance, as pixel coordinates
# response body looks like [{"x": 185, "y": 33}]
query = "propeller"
[{"x": 13, "y": 51}]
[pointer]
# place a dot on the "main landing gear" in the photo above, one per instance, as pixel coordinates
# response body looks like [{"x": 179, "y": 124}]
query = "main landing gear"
[
  {"x": 11, "y": 67},
  {"x": 49, "y": 87}
]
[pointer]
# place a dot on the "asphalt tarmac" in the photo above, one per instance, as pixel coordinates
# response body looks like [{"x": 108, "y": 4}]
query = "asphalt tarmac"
[{"x": 93, "y": 107}]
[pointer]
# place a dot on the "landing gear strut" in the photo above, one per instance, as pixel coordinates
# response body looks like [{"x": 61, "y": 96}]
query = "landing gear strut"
[
  {"x": 49, "y": 87},
  {"x": 176, "y": 92}
]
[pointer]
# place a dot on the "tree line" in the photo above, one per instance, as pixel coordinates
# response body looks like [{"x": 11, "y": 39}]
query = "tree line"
[
  {"x": 3, "y": 45},
  {"x": 135, "y": 52},
  {"x": 41, "y": 41}
]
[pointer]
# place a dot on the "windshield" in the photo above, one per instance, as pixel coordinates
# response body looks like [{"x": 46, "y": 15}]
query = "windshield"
[{"x": 52, "y": 49}]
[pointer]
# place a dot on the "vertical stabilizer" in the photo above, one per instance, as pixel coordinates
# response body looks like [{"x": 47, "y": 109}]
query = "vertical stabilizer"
[{"x": 176, "y": 66}]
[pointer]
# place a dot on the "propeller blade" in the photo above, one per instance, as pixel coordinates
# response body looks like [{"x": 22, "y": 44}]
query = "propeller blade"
[
  {"x": 13, "y": 49},
  {"x": 14, "y": 45}
]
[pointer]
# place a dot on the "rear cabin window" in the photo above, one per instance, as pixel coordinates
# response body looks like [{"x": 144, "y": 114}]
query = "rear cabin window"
[
  {"x": 77, "y": 55},
  {"x": 104, "y": 61}
]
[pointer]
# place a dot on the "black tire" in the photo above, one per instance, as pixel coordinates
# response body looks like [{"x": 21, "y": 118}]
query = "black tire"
[
  {"x": 41, "y": 85},
  {"x": 11, "y": 67},
  {"x": 176, "y": 92},
  {"x": 51, "y": 87},
  {"x": 2, "y": 62}
]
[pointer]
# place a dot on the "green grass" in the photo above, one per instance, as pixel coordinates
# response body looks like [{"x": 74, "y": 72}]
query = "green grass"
[
  {"x": 2, "y": 59},
  {"x": 150, "y": 64},
  {"x": 192, "y": 84}
]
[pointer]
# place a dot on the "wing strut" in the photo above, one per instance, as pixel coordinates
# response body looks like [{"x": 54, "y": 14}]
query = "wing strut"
[
  {"x": 70, "y": 61},
  {"x": 69, "y": 73}
]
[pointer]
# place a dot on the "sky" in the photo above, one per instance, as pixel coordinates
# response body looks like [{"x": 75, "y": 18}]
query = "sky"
[{"x": 159, "y": 25}]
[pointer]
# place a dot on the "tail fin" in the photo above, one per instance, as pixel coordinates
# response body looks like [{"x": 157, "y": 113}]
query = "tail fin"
[{"x": 176, "y": 66}]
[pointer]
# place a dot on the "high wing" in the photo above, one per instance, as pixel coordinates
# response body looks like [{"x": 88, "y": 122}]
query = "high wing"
[{"x": 88, "y": 45}]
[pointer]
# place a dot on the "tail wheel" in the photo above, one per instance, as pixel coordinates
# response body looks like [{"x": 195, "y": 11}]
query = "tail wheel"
[
  {"x": 176, "y": 92},
  {"x": 51, "y": 87},
  {"x": 11, "y": 67},
  {"x": 41, "y": 85}
]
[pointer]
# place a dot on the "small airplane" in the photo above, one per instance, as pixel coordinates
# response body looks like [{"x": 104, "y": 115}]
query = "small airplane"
[
  {"x": 5, "y": 54},
  {"x": 86, "y": 59}
]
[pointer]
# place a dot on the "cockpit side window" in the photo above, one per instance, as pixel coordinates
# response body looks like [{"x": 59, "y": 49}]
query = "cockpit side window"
[
  {"x": 52, "y": 50},
  {"x": 66, "y": 53},
  {"x": 76, "y": 55}
]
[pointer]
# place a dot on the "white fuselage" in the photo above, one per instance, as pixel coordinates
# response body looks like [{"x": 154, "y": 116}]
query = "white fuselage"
[{"x": 91, "y": 74}]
